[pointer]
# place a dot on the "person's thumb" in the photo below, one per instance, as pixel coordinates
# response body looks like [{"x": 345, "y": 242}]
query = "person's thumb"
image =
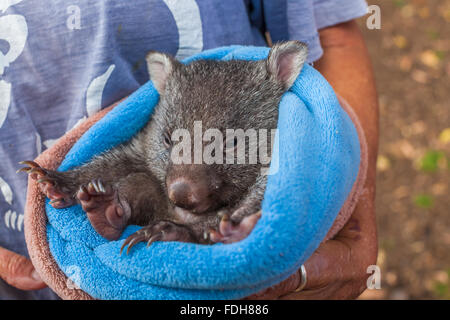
[{"x": 18, "y": 271}]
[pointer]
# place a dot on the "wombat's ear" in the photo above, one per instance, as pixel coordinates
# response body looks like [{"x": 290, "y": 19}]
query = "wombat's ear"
[
  {"x": 285, "y": 61},
  {"x": 160, "y": 66}
]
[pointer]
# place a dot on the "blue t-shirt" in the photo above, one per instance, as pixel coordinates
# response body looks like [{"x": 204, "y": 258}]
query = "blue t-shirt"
[{"x": 62, "y": 61}]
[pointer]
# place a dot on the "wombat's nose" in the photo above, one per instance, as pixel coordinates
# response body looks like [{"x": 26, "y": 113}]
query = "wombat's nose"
[{"x": 189, "y": 195}]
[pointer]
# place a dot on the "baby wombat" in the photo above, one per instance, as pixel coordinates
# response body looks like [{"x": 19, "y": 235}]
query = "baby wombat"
[{"x": 178, "y": 176}]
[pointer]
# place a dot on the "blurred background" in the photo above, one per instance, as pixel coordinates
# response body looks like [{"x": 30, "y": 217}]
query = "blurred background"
[{"x": 411, "y": 59}]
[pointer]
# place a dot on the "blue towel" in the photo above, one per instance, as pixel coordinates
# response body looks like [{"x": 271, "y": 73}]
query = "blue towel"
[{"x": 318, "y": 161}]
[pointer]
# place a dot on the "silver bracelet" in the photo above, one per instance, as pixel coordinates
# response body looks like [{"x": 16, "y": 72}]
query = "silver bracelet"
[{"x": 303, "y": 279}]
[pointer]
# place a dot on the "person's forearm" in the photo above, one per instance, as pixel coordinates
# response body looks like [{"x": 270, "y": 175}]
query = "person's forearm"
[
  {"x": 346, "y": 65},
  {"x": 18, "y": 271}
]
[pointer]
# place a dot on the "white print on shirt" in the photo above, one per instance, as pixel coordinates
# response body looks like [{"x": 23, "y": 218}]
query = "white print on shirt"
[
  {"x": 94, "y": 92},
  {"x": 14, "y": 30},
  {"x": 6, "y": 191},
  {"x": 13, "y": 220},
  {"x": 38, "y": 143},
  {"x": 5, "y": 100},
  {"x": 187, "y": 18},
  {"x": 48, "y": 143},
  {"x": 5, "y": 4}
]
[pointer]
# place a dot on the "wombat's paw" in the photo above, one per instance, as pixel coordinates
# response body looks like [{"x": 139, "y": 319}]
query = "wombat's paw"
[
  {"x": 159, "y": 231},
  {"x": 107, "y": 214},
  {"x": 47, "y": 182},
  {"x": 233, "y": 228}
]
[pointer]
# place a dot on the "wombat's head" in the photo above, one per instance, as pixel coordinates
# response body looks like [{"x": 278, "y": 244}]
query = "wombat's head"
[{"x": 210, "y": 109}]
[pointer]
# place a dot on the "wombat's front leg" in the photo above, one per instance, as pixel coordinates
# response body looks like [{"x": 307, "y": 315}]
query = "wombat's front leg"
[
  {"x": 59, "y": 187},
  {"x": 229, "y": 231},
  {"x": 134, "y": 199},
  {"x": 237, "y": 222},
  {"x": 112, "y": 189}
]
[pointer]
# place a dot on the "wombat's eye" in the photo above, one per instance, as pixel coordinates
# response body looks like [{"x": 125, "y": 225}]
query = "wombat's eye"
[{"x": 167, "y": 140}]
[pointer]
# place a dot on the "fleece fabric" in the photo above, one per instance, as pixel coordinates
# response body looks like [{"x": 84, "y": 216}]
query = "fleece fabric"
[{"x": 312, "y": 175}]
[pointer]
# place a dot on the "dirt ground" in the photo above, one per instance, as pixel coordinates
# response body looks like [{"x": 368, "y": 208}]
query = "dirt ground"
[{"x": 412, "y": 66}]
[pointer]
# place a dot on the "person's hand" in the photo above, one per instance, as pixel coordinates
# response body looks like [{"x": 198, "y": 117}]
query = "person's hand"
[
  {"x": 338, "y": 268},
  {"x": 18, "y": 271}
]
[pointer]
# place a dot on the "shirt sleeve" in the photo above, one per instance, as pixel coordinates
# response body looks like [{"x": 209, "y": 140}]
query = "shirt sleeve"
[
  {"x": 330, "y": 12},
  {"x": 302, "y": 19}
]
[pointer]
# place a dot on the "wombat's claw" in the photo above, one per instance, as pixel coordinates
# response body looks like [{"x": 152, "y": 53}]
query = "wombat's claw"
[
  {"x": 230, "y": 230},
  {"x": 24, "y": 169},
  {"x": 36, "y": 172},
  {"x": 58, "y": 203},
  {"x": 224, "y": 215},
  {"x": 58, "y": 199},
  {"x": 33, "y": 167},
  {"x": 93, "y": 193},
  {"x": 97, "y": 186},
  {"x": 108, "y": 215},
  {"x": 137, "y": 237},
  {"x": 30, "y": 164},
  {"x": 141, "y": 237},
  {"x": 131, "y": 241},
  {"x": 159, "y": 231}
]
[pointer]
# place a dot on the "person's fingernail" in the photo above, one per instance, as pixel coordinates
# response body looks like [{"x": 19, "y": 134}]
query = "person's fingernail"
[{"x": 36, "y": 276}]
